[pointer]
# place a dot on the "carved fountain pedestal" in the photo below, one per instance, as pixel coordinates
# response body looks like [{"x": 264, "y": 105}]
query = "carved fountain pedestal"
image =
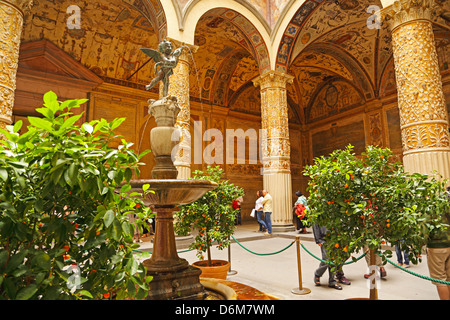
[{"x": 173, "y": 277}]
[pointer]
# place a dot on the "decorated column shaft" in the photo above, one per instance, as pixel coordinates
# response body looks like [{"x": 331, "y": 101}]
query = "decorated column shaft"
[
  {"x": 276, "y": 147},
  {"x": 423, "y": 114},
  {"x": 179, "y": 87},
  {"x": 11, "y": 22}
]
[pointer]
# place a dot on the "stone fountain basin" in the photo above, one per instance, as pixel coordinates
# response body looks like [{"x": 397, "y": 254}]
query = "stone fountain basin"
[{"x": 171, "y": 192}]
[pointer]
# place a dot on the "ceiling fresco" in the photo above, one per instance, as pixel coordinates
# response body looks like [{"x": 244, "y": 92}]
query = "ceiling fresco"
[
  {"x": 231, "y": 53},
  {"x": 326, "y": 46},
  {"x": 109, "y": 38},
  {"x": 269, "y": 10},
  {"x": 331, "y": 40}
]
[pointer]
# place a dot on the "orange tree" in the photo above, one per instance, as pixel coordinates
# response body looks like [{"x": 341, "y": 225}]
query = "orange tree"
[
  {"x": 212, "y": 215},
  {"x": 368, "y": 200},
  {"x": 64, "y": 231}
]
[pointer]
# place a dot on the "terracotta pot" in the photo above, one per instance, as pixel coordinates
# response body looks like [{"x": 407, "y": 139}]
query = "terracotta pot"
[{"x": 217, "y": 270}]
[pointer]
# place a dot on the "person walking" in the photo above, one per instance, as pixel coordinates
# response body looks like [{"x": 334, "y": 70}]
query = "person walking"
[
  {"x": 300, "y": 208},
  {"x": 438, "y": 257},
  {"x": 259, "y": 211},
  {"x": 237, "y": 206},
  {"x": 319, "y": 237},
  {"x": 402, "y": 257},
  {"x": 267, "y": 209}
]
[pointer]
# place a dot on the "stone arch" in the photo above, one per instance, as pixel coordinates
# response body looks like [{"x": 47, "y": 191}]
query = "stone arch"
[
  {"x": 154, "y": 12},
  {"x": 255, "y": 42},
  {"x": 290, "y": 35}
]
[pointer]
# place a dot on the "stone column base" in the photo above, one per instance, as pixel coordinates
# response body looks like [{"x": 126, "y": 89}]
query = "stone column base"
[
  {"x": 428, "y": 161},
  {"x": 279, "y": 186}
]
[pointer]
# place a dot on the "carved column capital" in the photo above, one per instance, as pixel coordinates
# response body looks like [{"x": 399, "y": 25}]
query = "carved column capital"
[
  {"x": 190, "y": 47},
  {"x": 21, "y": 5},
  {"x": 405, "y": 11},
  {"x": 273, "y": 79}
]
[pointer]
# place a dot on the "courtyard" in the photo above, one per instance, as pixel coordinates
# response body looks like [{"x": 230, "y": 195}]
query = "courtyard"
[{"x": 277, "y": 274}]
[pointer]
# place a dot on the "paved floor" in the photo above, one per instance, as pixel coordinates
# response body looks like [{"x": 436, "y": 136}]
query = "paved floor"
[{"x": 278, "y": 274}]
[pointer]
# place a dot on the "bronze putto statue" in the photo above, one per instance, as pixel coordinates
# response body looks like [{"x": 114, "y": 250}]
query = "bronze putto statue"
[{"x": 166, "y": 60}]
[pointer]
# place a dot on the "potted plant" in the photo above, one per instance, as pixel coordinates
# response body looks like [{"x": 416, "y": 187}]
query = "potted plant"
[
  {"x": 369, "y": 200},
  {"x": 212, "y": 216},
  {"x": 64, "y": 231}
]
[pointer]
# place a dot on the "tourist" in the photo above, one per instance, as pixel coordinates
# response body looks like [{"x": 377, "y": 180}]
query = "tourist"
[
  {"x": 401, "y": 255},
  {"x": 237, "y": 206},
  {"x": 438, "y": 258},
  {"x": 319, "y": 237},
  {"x": 267, "y": 209},
  {"x": 259, "y": 211},
  {"x": 299, "y": 214}
]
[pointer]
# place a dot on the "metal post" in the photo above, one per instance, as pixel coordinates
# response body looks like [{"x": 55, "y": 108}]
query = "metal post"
[
  {"x": 300, "y": 289},
  {"x": 230, "y": 272}
]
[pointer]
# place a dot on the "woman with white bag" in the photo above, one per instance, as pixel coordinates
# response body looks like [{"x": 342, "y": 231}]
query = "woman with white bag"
[{"x": 257, "y": 212}]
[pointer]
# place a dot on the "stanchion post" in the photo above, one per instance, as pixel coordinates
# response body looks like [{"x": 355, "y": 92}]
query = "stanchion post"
[
  {"x": 300, "y": 289},
  {"x": 230, "y": 272}
]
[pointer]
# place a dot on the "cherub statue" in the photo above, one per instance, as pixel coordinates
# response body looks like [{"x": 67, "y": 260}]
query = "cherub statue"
[{"x": 166, "y": 60}]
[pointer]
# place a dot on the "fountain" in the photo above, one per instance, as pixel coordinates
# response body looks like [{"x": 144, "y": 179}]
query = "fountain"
[{"x": 173, "y": 277}]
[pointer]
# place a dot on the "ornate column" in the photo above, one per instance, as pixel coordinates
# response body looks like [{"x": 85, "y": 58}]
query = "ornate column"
[
  {"x": 276, "y": 147},
  {"x": 11, "y": 22},
  {"x": 423, "y": 114},
  {"x": 179, "y": 87}
]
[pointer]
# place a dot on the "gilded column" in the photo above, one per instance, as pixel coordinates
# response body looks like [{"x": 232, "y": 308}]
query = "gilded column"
[
  {"x": 11, "y": 22},
  {"x": 276, "y": 147},
  {"x": 179, "y": 87},
  {"x": 423, "y": 115}
]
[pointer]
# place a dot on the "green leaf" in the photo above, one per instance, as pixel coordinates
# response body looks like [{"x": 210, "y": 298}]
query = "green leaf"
[
  {"x": 125, "y": 188},
  {"x": 41, "y": 123},
  {"x": 51, "y": 101},
  {"x": 68, "y": 124},
  {"x": 27, "y": 292},
  {"x": 85, "y": 293},
  {"x": 128, "y": 174},
  {"x": 108, "y": 218},
  {"x": 46, "y": 112},
  {"x": 17, "y": 126},
  {"x": 116, "y": 231},
  {"x": 3, "y": 174},
  {"x": 116, "y": 123}
]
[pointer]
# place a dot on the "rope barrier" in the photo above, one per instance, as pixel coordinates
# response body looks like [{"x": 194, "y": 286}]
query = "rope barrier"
[
  {"x": 324, "y": 261},
  {"x": 328, "y": 262},
  {"x": 393, "y": 263},
  {"x": 263, "y": 254},
  {"x": 416, "y": 274}
]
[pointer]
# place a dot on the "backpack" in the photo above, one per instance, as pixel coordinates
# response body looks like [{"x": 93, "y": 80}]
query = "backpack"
[{"x": 300, "y": 210}]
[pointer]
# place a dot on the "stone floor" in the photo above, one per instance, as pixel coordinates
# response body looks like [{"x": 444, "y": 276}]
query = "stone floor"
[{"x": 277, "y": 274}]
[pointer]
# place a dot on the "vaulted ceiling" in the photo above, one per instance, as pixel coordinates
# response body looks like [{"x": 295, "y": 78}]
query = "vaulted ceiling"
[{"x": 337, "y": 61}]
